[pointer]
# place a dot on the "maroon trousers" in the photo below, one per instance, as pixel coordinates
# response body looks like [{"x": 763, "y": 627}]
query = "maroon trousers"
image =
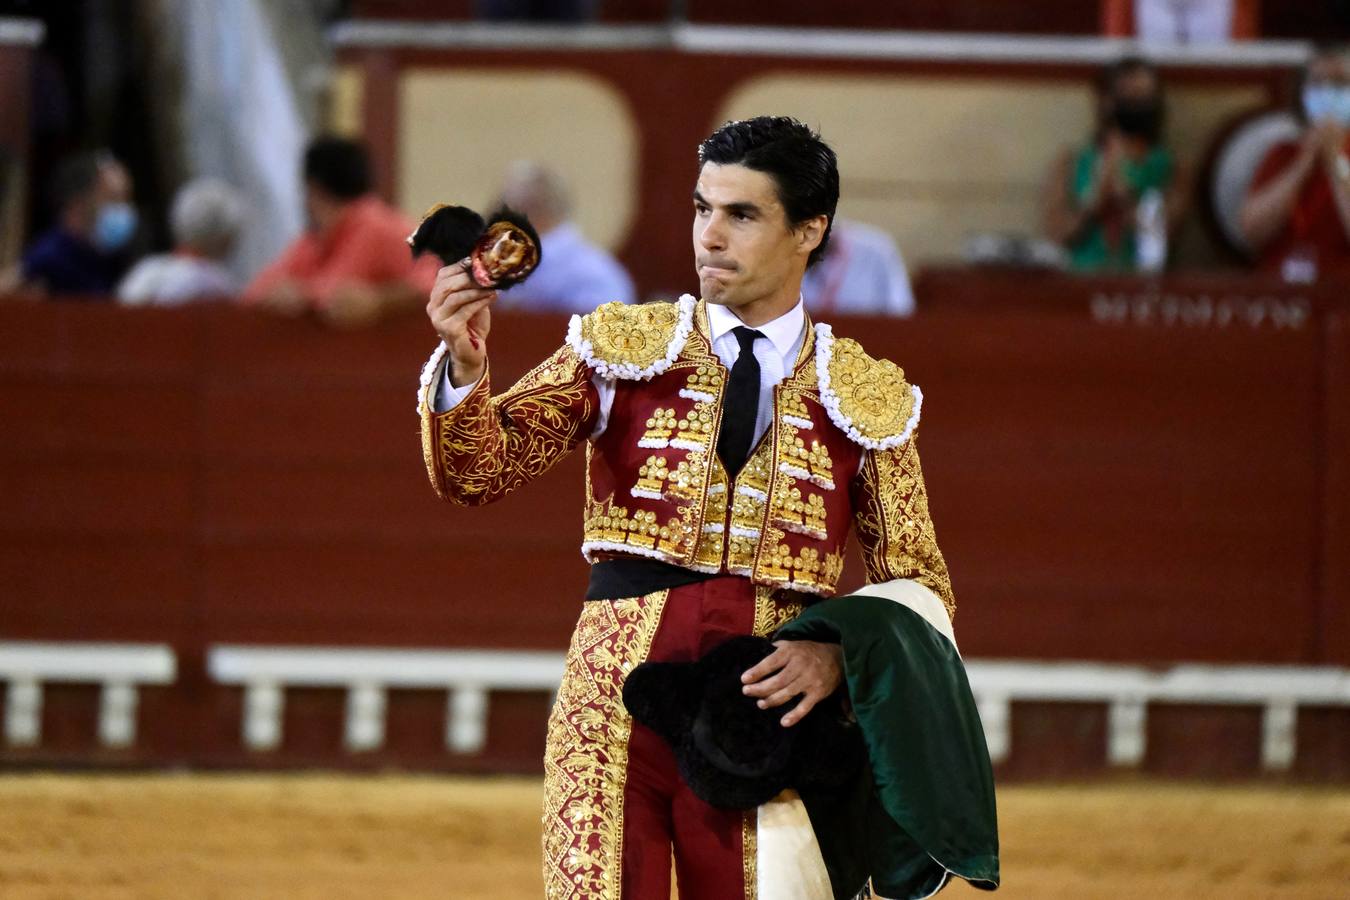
[{"x": 615, "y": 807}]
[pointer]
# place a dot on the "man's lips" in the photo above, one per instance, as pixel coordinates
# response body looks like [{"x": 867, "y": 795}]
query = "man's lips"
[{"x": 710, "y": 269}]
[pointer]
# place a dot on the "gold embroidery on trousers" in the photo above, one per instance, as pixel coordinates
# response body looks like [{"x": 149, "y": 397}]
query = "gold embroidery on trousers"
[
  {"x": 586, "y": 752},
  {"x": 773, "y": 611},
  {"x": 750, "y": 853}
]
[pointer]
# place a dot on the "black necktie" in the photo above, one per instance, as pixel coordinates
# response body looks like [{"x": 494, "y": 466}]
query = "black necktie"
[{"x": 741, "y": 404}]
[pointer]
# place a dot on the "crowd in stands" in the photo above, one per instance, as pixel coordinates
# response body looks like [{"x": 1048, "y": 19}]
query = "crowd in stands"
[{"x": 1111, "y": 205}]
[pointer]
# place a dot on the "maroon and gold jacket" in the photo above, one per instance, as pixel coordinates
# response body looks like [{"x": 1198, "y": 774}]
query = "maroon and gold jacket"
[{"x": 840, "y": 452}]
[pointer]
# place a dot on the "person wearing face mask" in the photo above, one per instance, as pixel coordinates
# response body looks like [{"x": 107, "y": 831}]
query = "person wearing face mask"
[
  {"x": 1296, "y": 217},
  {"x": 1095, "y": 193},
  {"x": 84, "y": 253}
]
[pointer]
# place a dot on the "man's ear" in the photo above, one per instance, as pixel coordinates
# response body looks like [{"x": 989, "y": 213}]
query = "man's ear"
[{"x": 810, "y": 233}]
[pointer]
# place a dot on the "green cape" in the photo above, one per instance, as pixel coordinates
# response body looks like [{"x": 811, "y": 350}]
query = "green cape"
[{"x": 923, "y": 810}]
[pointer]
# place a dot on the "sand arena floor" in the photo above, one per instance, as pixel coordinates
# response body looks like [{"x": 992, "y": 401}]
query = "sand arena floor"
[{"x": 329, "y": 836}]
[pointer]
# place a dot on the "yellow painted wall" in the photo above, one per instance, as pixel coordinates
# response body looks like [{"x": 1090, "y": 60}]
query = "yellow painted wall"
[
  {"x": 460, "y": 128},
  {"x": 346, "y": 102},
  {"x": 930, "y": 159},
  {"x": 933, "y": 159}
]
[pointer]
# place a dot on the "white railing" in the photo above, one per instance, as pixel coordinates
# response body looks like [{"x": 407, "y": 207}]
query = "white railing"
[
  {"x": 120, "y": 668},
  {"x": 1129, "y": 690},
  {"x": 468, "y": 676},
  {"x": 367, "y": 674}
]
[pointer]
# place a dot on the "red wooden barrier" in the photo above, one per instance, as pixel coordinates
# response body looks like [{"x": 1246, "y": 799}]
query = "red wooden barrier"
[{"x": 1112, "y": 487}]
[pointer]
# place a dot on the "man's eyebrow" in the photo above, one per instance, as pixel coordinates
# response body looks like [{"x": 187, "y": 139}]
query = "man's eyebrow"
[{"x": 740, "y": 207}]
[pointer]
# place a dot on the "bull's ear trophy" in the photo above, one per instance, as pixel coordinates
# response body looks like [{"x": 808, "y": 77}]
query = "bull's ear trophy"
[{"x": 503, "y": 249}]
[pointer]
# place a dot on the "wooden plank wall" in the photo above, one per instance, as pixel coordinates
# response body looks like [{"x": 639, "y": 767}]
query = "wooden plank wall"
[{"x": 1103, "y": 490}]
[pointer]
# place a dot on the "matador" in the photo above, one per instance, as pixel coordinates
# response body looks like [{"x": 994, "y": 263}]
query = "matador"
[{"x": 731, "y": 446}]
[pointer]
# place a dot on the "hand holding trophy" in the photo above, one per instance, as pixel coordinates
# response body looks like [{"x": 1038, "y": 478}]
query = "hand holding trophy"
[{"x": 480, "y": 256}]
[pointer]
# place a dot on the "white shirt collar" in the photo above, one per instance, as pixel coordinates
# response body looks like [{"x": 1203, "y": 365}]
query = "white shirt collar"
[{"x": 783, "y": 332}]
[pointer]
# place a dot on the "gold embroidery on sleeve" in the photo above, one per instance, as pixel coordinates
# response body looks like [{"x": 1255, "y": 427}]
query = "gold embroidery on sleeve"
[
  {"x": 894, "y": 527},
  {"x": 488, "y": 446}
]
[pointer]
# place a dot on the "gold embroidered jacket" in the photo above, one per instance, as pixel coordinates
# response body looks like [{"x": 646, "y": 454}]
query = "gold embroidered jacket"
[{"x": 840, "y": 453}]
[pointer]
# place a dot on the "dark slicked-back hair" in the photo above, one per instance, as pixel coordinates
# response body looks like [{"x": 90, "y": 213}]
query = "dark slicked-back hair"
[
  {"x": 339, "y": 166},
  {"x": 802, "y": 166}
]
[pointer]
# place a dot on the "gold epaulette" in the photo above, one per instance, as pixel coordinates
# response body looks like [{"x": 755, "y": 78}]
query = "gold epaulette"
[
  {"x": 629, "y": 341},
  {"x": 868, "y": 399}
]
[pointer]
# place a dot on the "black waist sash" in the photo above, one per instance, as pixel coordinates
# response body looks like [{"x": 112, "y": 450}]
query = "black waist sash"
[{"x": 634, "y": 577}]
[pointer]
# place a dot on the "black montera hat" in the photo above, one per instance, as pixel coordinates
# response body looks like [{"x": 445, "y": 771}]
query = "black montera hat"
[{"x": 730, "y": 752}]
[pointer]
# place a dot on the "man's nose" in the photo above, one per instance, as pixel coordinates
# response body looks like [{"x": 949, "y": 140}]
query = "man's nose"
[{"x": 712, "y": 236}]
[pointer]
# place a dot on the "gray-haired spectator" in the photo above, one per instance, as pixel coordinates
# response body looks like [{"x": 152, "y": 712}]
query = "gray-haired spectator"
[
  {"x": 574, "y": 275},
  {"x": 206, "y": 217}
]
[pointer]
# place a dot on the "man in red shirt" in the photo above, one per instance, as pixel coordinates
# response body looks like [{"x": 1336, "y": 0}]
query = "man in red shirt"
[
  {"x": 352, "y": 264},
  {"x": 1296, "y": 217}
]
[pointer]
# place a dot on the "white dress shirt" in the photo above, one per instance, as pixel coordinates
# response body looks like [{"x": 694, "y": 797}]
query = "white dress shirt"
[
  {"x": 862, "y": 274},
  {"x": 776, "y": 353}
]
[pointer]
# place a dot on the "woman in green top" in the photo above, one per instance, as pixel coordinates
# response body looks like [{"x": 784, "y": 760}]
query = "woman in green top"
[{"x": 1100, "y": 195}]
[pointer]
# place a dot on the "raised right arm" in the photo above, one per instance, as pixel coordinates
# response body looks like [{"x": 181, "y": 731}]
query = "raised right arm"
[{"x": 486, "y": 447}]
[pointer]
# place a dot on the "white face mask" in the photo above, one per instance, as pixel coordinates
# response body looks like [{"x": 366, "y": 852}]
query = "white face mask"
[{"x": 1327, "y": 101}]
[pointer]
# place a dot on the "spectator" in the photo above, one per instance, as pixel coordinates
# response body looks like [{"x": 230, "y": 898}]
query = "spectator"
[
  {"x": 574, "y": 275},
  {"x": 205, "y": 219},
  {"x": 83, "y": 254},
  {"x": 1096, "y": 194},
  {"x": 1296, "y": 217},
  {"x": 352, "y": 265},
  {"x": 861, "y": 273}
]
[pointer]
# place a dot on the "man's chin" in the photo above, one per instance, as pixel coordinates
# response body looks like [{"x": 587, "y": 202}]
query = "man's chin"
[{"x": 716, "y": 292}]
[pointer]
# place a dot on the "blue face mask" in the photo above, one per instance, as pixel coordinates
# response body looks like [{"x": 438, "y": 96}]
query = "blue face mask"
[
  {"x": 114, "y": 227},
  {"x": 1327, "y": 101}
]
